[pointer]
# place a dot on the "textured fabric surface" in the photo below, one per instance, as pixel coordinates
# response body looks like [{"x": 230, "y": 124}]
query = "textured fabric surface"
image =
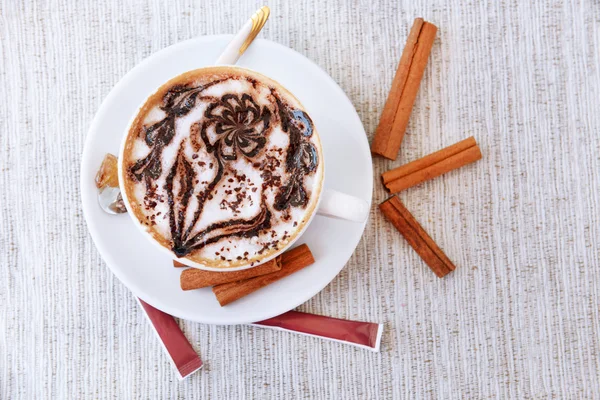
[{"x": 519, "y": 318}]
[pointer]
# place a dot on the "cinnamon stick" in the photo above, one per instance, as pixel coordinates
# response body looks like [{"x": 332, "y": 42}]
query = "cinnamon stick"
[
  {"x": 194, "y": 278},
  {"x": 291, "y": 261},
  {"x": 396, "y": 112},
  {"x": 431, "y": 166},
  {"x": 415, "y": 235}
]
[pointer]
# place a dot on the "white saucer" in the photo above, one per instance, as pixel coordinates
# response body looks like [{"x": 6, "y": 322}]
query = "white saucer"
[{"x": 149, "y": 273}]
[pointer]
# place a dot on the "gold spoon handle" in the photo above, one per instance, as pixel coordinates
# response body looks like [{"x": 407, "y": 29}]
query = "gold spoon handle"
[
  {"x": 259, "y": 19},
  {"x": 244, "y": 37}
]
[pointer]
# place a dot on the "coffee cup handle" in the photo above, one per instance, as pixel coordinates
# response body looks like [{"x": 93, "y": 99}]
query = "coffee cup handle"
[{"x": 340, "y": 205}]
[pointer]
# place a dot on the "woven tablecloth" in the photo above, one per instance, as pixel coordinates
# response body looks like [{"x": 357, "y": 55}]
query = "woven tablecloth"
[{"x": 519, "y": 318}]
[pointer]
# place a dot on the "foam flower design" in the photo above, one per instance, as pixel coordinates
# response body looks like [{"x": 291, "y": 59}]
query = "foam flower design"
[{"x": 240, "y": 126}]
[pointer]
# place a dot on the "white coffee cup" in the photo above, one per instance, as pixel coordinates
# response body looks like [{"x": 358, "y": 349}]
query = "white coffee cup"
[{"x": 330, "y": 203}]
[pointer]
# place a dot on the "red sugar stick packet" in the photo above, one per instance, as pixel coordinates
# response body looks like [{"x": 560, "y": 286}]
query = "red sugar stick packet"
[
  {"x": 181, "y": 353},
  {"x": 366, "y": 335}
]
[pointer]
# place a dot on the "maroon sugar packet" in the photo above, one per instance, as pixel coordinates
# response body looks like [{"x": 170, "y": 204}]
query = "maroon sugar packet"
[
  {"x": 181, "y": 353},
  {"x": 362, "y": 334}
]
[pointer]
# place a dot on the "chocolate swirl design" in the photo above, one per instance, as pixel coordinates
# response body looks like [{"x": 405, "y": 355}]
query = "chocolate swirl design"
[
  {"x": 239, "y": 127},
  {"x": 177, "y": 102},
  {"x": 240, "y": 124},
  {"x": 301, "y": 157}
]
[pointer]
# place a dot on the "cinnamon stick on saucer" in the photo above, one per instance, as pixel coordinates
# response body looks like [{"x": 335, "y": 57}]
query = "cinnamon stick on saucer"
[
  {"x": 194, "y": 278},
  {"x": 400, "y": 101},
  {"x": 291, "y": 261},
  {"x": 415, "y": 235},
  {"x": 431, "y": 166}
]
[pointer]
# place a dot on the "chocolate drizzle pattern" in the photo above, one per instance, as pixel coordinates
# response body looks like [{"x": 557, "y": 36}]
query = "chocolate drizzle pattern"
[
  {"x": 240, "y": 125},
  {"x": 232, "y": 126},
  {"x": 301, "y": 158},
  {"x": 177, "y": 102}
]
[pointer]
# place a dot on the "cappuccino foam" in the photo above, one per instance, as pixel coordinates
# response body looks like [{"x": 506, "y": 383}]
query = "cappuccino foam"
[{"x": 222, "y": 166}]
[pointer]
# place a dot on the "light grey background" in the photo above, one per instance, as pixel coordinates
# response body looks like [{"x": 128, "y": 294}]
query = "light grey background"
[{"x": 518, "y": 318}]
